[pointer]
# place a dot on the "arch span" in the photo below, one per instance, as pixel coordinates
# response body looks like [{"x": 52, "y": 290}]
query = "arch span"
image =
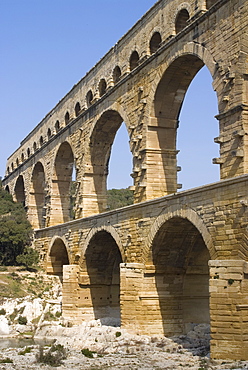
[
  {"x": 97, "y": 160},
  {"x": 37, "y": 210},
  {"x": 19, "y": 191},
  {"x": 57, "y": 257},
  {"x": 101, "y": 265},
  {"x": 61, "y": 207},
  {"x": 179, "y": 277}
]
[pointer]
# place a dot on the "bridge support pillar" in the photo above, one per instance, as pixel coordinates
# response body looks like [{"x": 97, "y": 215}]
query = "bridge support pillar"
[
  {"x": 131, "y": 280},
  {"x": 229, "y": 309},
  {"x": 70, "y": 294}
]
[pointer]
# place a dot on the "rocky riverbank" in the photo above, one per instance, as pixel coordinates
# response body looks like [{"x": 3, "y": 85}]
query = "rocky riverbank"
[{"x": 94, "y": 345}]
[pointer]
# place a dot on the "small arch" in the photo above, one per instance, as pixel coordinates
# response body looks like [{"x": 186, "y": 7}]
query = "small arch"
[
  {"x": 61, "y": 207},
  {"x": 8, "y": 170},
  {"x": 49, "y": 133},
  {"x": 22, "y": 157},
  {"x": 67, "y": 118},
  {"x": 57, "y": 258},
  {"x": 17, "y": 162},
  {"x": 19, "y": 191},
  {"x": 36, "y": 207},
  {"x": 116, "y": 74},
  {"x": 101, "y": 264},
  {"x": 7, "y": 189},
  {"x": 181, "y": 20},
  {"x": 134, "y": 60},
  {"x": 155, "y": 42},
  {"x": 12, "y": 166},
  {"x": 34, "y": 146},
  {"x": 28, "y": 152},
  {"x": 41, "y": 141},
  {"x": 102, "y": 87},
  {"x": 89, "y": 98},
  {"x": 77, "y": 109},
  {"x": 57, "y": 126}
]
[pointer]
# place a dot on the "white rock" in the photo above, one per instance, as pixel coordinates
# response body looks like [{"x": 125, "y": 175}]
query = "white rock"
[{"x": 4, "y": 326}]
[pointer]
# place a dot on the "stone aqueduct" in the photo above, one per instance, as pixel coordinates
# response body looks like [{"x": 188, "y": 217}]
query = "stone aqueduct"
[{"x": 173, "y": 258}]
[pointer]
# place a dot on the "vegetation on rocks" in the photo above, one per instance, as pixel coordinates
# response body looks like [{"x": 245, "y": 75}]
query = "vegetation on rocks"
[{"x": 15, "y": 229}]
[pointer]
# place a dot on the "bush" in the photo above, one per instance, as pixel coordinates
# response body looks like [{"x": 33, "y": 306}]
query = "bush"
[
  {"x": 25, "y": 350},
  {"x": 29, "y": 258},
  {"x": 22, "y": 320},
  {"x": 118, "y": 334},
  {"x": 2, "y": 311},
  {"x": 53, "y": 356},
  {"x": 87, "y": 353},
  {"x": 6, "y": 360}
]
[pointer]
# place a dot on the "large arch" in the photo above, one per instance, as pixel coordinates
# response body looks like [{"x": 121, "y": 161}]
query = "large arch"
[
  {"x": 101, "y": 140},
  {"x": 179, "y": 278},
  {"x": 100, "y": 266},
  {"x": 37, "y": 210},
  {"x": 167, "y": 97},
  {"x": 19, "y": 191},
  {"x": 61, "y": 184},
  {"x": 57, "y": 257}
]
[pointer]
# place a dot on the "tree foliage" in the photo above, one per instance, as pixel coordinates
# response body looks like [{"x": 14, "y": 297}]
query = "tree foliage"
[
  {"x": 15, "y": 229},
  {"x": 117, "y": 198}
]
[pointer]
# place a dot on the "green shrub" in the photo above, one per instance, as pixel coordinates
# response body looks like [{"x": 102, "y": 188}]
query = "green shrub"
[
  {"x": 25, "y": 350},
  {"x": 22, "y": 320},
  {"x": 53, "y": 356},
  {"x": 118, "y": 334},
  {"x": 87, "y": 353},
  {"x": 6, "y": 360},
  {"x": 2, "y": 311}
]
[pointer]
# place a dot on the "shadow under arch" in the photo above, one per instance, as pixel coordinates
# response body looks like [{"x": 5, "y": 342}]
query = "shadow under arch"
[
  {"x": 57, "y": 257},
  {"x": 101, "y": 141},
  {"x": 166, "y": 99},
  {"x": 100, "y": 270},
  {"x": 61, "y": 183},
  {"x": 179, "y": 275},
  {"x": 37, "y": 211}
]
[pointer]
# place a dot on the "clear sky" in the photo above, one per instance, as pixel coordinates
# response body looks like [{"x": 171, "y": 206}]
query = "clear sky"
[{"x": 46, "y": 46}]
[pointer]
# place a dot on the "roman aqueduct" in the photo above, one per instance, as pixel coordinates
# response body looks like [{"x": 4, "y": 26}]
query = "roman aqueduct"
[{"x": 172, "y": 258}]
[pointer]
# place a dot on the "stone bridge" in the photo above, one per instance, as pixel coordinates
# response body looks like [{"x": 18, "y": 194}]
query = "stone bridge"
[{"x": 171, "y": 259}]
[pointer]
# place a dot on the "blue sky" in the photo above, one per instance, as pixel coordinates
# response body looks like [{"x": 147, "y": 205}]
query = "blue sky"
[{"x": 46, "y": 46}]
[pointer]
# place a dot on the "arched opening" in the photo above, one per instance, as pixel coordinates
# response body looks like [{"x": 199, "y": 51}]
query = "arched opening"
[
  {"x": 116, "y": 74},
  {"x": 89, "y": 98},
  {"x": 8, "y": 171},
  {"x": 28, "y": 152},
  {"x": 134, "y": 60},
  {"x": 58, "y": 257},
  {"x": 180, "y": 278},
  {"x": 101, "y": 142},
  {"x": 196, "y": 133},
  {"x": 101, "y": 265},
  {"x": 67, "y": 118},
  {"x": 17, "y": 162},
  {"x": 22, "y": 157},
  {"x": 49, "y": 133},
  {"x": 210, "y": 3},
  {"x": 77, "y": 109},
  {"x": 168, "y": 102},
  {"x": 57, "y": 126},
  {"x": 102, "y": 87},
  {"x": 12, "y": 166},
  {"x": 181, "y": 20},
  {"x": 19, "y": 191},
  {"x": 41, "y": 141},
  {"x": 7, "y": 188},
  {"x": 35, "y": 146},
  {"x": 37, "y": 210},
  {"x": 155, "y": 42},
  {"x": 61, "y": 185}
]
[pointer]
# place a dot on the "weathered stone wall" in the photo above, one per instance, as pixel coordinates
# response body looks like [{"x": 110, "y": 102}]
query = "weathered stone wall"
[{"x": 163, "y": 247}]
